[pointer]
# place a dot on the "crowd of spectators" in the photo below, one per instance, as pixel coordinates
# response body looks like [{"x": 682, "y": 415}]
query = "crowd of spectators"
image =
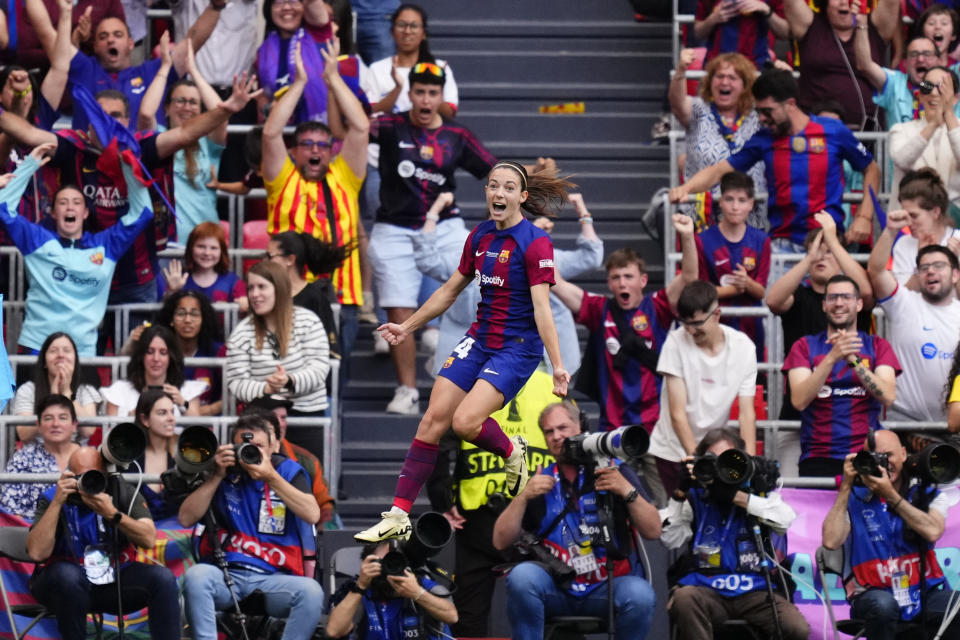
[{"x": 362, "y": 221}]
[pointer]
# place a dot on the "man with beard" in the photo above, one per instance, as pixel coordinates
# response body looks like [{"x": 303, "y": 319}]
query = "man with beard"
[
  {"x": 896, "y": 91},
  {"x": 797, "y": 298},
  {"x": 923, "y": 326},
  {"x": 839, "y": 380},
  {"x": 803, "y": 158}
]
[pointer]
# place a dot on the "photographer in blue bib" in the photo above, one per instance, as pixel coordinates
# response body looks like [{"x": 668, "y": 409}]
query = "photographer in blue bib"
[
  {"x": 72, "y": 539},
  {"x": 720, "y": 521},
  {"x": 399, "y": 594},
  {"x": 262, "y": 537},
  {"x": 576, "y": 521},
  {"x": 887, "y": 516}
]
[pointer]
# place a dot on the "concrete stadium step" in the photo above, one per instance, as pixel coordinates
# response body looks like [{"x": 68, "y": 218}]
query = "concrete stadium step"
[
  {"x": 574, "y": 11},
  {"x": 369, "y": 479},
  {"x": 448, "y": 37},
  {"x": 548, "y": 88},
  {"x": 611, "y": 126},
  {"x": 573, "y": 66},
  {"x": 637, "y": 104}
]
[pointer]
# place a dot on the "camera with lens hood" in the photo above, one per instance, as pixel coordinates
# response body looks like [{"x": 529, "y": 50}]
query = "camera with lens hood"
[
  {"x": 430, "y": 534},
  {"x": 626, "y": 443},
  {"x": 737, "y": 469}
]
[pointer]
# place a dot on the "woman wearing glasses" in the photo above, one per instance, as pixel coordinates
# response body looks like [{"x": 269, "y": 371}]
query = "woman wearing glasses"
[
  {"x": 280, "y": 350},
  {"x": 195, "y": 166},
  {"x": 391, "y": 74},
  {"x": 199, "y": 335},
  {"x": 156, "y": 363}
]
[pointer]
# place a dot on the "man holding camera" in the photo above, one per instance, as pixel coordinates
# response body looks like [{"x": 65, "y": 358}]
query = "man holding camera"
[
  {"x": 563, "y": 506},
  {"x": 721, "y": 577},
  {"x": 390, "y": 607},
  {"x": 840, "y": 379},
  {"x": 877, "y": 521},
  {"x": 263, "y": 512},
  {"x": 73, "y": 537}
]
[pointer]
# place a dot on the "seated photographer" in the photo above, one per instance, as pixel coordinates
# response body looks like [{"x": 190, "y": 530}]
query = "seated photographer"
[
  {"x": 576, "y": 583},
  {"x": 263, "y": 514},
  {"x": 882, "y": 518},
  {"x": 72, "y": 538},
  {"x": 390, "y": 607},
  {"x": 719, "y": 577}
]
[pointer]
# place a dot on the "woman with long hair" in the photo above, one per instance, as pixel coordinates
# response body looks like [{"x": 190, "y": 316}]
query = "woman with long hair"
[
  {"x": 391, "y": 75},
  {"x": 156, "y": 363},
  {"x": 58, "y": 371},
  {"x": 155, "y": 415},
  {"x": 279, "y": 350},
  {"x": 300, "y": 252},
  {"x": 194, "y": 323},
  {"x": 206, "y": 268},
  {"x": 194, "y": 166},
  {"x": 513, "y": 261}
]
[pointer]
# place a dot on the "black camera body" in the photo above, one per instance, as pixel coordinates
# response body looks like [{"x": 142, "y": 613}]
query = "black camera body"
[
  {"x": 89, "y": 483},
  {"x": 737, "y": 468},
  {"x": 925, "y": 87},
  {"x": 246, "y": 451},
  {"x": 869, "y": 463}
]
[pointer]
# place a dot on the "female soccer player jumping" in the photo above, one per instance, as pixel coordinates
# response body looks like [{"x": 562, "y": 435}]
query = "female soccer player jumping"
[{"x": 513, "y": 261}]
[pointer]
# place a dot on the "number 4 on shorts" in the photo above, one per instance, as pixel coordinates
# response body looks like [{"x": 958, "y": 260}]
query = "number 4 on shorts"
[{"x": 463, "y": 348}]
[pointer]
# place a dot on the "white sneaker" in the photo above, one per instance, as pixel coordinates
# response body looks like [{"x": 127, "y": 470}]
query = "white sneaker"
[
  {"x": 516, "y": 467},
  {"x": 393, "y": 525},
  {"x": 380, "y": 345},
  {"x": 429, "y": 339},
  {"x": 406, "y": 401}
]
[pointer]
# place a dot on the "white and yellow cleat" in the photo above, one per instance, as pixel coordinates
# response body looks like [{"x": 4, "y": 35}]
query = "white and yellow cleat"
[
  {"x": 395, "y": 524},
  {"x": 516, "y": 467}
]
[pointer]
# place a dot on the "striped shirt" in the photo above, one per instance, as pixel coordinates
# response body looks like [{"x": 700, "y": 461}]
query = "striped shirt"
[
  {"x": 295, "y": 204},
  {"x": 306, "y": 363}
]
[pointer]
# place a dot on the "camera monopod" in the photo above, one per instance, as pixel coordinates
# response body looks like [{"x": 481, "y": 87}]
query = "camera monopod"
[
  {"x": 767, "y": 575},
  {"x": 211, "y": 530},
  {"x": 122, "y": 445}
]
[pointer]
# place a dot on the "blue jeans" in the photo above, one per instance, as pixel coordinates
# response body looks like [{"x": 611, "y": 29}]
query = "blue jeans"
[
  {"x": 63, "y": 588},
  {"x": 374, "y": 37},
  {"x": 878, "y": 609},
  {"x": 349, "y": 325},
  {"x": 296, "y": 598},
  {"x": 532, "y": 596}
]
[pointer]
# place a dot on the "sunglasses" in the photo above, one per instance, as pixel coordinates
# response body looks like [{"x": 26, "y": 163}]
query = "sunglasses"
[{"x": 427, "y": 67}]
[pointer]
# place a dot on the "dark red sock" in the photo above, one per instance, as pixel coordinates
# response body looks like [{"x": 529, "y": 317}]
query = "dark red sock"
[
  {"x": 421, "y": 458},
  {"x": 493, "y": 439}
]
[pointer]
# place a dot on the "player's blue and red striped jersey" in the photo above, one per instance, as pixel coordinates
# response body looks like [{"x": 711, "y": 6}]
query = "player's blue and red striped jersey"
[
  {"x": 506, "y": 263},
  {"x": 748, "y": 34}
]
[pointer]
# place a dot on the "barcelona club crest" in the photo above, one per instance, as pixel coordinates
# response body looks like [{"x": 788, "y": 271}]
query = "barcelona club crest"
[
  {"x": 749, "y": 262},
  {"x": 97, "y": 258},
  {"x": 426, "y": 153},
  {"x": 504, "y": 256},
  {"x": 448, "y": 362},
  {"x": 818, "y": 145},
  {"x": 640, "y": 322}
]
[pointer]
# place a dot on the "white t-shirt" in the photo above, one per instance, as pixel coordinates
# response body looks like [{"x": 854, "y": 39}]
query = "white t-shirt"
[
  {"x": 123, "y": 394},
  {"x": 713, "y": 384},
  {"x": 381, "y": 83},
  {"x": 924, "y": 337},
  {"x": 905, "y": 254}
]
